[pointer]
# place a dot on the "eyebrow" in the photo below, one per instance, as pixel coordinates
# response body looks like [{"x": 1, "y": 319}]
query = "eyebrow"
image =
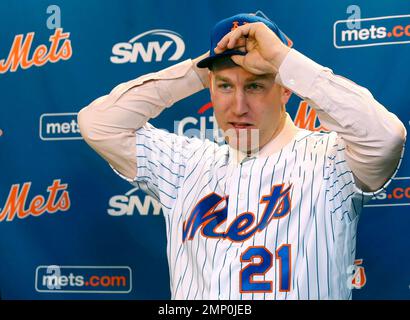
[
  {"x": 220, "y": 78},
  {"x": 259, "y": 77},
  {"x": 250, "y": 79}
]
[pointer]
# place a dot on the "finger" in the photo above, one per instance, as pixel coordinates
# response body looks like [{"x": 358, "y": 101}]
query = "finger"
[
  {"x": 221, "y": 45},
  {"x": 228, "y": 40},
  {"x": 238, "y": 33},
  {"x": 239, "y": 60},
  {"x": 241, "y": 42},
  {"x": 218, "y": 49},
  {"x": 241, "y": 46}
]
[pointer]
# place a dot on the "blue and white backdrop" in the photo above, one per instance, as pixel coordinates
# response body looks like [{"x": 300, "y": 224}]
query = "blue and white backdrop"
[{"x": 65, "y": 215}]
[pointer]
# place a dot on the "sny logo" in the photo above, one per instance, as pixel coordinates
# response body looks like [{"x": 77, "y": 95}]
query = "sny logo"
[
  {"x": 132, "y": 202},
  {"x": 124, "y": 52},
  {"x": 205, "y": 215}
]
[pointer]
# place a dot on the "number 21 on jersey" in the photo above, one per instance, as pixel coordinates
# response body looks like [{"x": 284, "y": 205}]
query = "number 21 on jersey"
[{"x": 247, "y": 283}]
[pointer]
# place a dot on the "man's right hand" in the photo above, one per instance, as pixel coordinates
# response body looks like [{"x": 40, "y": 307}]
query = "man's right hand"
[{"x": 265, "y": 51}]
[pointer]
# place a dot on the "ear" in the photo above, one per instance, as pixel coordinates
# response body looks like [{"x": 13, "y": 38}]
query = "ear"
[
  {"x": 210, "y": 81},
  {"x": 286, "y": 94}
]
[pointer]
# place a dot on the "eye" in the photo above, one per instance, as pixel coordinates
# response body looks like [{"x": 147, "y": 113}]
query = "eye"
[
  {"x": 254, "y": 87},
  {"x": 224, "y": 86}
]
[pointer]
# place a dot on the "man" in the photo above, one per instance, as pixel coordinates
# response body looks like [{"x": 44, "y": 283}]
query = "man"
[{"x": 276, "y": 220}]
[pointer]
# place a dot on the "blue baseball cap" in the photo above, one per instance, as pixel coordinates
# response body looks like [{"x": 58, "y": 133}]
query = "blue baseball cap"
[{"x": 225, "y": 26}]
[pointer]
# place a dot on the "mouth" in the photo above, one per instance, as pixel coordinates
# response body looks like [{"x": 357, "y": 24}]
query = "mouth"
[{"x": 241, "y": 125}]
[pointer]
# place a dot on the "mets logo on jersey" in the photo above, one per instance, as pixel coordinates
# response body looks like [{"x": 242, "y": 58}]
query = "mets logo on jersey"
[{"x": 207, "y": 217}]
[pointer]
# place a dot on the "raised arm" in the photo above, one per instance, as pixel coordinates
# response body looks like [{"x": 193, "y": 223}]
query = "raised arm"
[
  {"x": 374, "y": 137},
  {"x": 109, "y": 123}
]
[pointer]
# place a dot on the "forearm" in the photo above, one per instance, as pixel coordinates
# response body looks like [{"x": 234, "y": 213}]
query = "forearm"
[
  {"x": 373, "y": 136},
  {"x": 109, "y": 123}
]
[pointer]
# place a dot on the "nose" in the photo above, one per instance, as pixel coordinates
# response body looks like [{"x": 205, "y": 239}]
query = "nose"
[{"x": 240, "y": 104}]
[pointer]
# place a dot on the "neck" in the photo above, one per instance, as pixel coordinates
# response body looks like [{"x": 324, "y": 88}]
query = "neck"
[{"x": 284, "y": 134}]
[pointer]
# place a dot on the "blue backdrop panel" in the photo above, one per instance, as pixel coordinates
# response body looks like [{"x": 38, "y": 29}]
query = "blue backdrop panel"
[{"x": 61, "y": 204}]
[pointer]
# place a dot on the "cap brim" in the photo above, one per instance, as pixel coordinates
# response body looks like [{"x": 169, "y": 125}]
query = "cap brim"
[{"x": 207, "y": 62}]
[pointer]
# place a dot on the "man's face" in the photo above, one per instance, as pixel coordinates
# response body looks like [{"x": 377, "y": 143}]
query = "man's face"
[{"x": 245, "y": 104}]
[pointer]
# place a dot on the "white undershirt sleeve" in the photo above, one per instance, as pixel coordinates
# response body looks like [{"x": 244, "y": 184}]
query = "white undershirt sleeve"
[
  {"x": 109, "y": 123},
  {"x": 374, "y": 137}
]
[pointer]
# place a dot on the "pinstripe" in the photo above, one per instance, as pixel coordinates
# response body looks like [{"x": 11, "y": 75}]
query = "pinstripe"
[
  {"x": 206, "y": 240},
  {"x": 297, "y": 287},
  {"x": 317, "y": 258},
  {"x": 171, "y": 172},
  {"x": 156, "y": 137},
  {"x": 306, "y": 255},
  {"x": 299, "y": 173},
  {"x": 169, "y": 243},
  {"x": 291, "y": 197},
  {"x": 300, "y": 207},
  {"x": 339, "y": 175},
  {"x": 277, "y": 234},
  {"x": 257, "y": 212},
  {"x": 247, "y": 209},
  {"x": 162, "y": 152},
  {"x": 307, "y": 274},
  {"x": 190, "y": 206},
  {"x": 147, "y": 160},
  {"x": 325, "y": 226},
  {"x": 183, "y": 247},
  {"x": 314, "y": 213},
  {"x": 327, "y": 257},
  {"x": 198, "y": 240},
  {"x": 267, "y": 227},
  {"x": 216, "y": 246},
  {"x": 145, "y": 186},
  {"x": 356, "y": 211},
  {"x": 341, "y": 203},
  {"x": 179, "y": 281},
  {"x": 180, "y": 216},
  {"x": 236, "y": 214},
  {"x": 341, "y": 189},
  {"x": 219, "y": 278},
  {"x": 198, "y": 280}
]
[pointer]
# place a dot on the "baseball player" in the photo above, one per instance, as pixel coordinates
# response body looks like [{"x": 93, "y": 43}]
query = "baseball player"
[{"x": 272, "y": 220}]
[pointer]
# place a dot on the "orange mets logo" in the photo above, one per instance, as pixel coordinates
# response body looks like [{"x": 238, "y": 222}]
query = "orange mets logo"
[
  {"x": 235, "y": 24},
  {"x": 306, "y": 118},
  {"x": 19, "y": 55},
  {"x": 15, "y": 207}
]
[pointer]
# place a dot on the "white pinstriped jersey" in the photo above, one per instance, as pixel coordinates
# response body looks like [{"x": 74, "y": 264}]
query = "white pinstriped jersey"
[{"x": 275, "y": 227}]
